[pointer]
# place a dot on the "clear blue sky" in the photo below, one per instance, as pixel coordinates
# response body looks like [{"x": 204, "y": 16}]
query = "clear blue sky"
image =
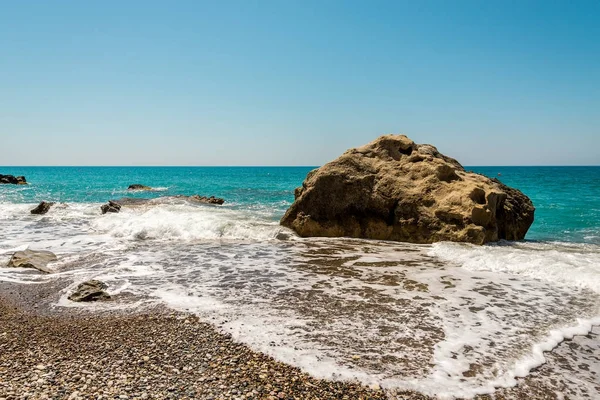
[{"x": 297, "y": 82}]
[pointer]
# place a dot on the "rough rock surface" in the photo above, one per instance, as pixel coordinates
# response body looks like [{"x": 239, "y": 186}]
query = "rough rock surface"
[
  {"x": 394, "y": 189},
  {"x": 207, "y": 200},
  {"x": 90, "y": 291},
  {"x": 137, "y": 186},
  {"x": 10, "y": 179},
  {"x": 42, "y": 208},
  {"x": 110, "y": 207},
  {"x": 37, "y": 259}
]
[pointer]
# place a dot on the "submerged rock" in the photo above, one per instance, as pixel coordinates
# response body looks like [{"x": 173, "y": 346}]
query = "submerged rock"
[
  {"x": 208, "y": 200},
  {"x": 37, "y": 259},
  {"x": 283, "y": 235},
  {"x": 196, "y": 198},
  {"x": 130, "y": 201},
  {"x": 137, "y": 186},
  {"x": 42, "y": 208},
  {"x": 395, "y": 189},
  {"x": 92, "y": 290},
  {"x": 14, "y": 180},
  {"x": 110, "y": 207}
]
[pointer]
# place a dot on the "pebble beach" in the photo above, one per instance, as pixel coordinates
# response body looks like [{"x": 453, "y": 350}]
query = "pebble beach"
[
  {"x": 47, "y": 353},
  {"x": 148, "y": 355}
]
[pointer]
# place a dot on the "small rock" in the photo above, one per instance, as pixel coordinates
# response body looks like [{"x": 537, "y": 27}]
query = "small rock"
[
  {"x": 42, "y": 208},
  {"x": 137, "y": 186},
  {"x": 110, "y": 207},
  {"x": 14, "y": 180},
  {"x": 206, "y": 200},
  {"x": 37, "y": 259},
  {"x": 90, "y": 291},
  {"x": 74, "y": 395}
]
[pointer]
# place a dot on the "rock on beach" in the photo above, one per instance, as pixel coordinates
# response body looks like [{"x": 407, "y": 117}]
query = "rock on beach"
[
  {"x": 37, "y": 259},
  {"x": 91, "y": 290},
  {"x": 395, "y": 189}
]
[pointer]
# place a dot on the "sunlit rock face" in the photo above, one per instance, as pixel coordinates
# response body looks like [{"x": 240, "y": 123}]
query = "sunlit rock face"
[{"x": 395, "y": 189}]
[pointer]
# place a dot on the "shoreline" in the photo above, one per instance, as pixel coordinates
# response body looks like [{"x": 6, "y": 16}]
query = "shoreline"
[
  {"x": 158, "y": 353},
  {"x": 153, "y": 353}
]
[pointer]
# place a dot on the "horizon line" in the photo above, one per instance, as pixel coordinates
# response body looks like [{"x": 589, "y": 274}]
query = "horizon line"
[{"x": 270, "y": 166}]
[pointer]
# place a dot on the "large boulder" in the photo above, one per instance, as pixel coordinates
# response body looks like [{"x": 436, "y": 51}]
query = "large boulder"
[
  {"x": 92, "y": 290},
  {"x": 395, "y": 189},
  {"x": 37, "y": 259},
  {"x": 14, "y": 180},
  {"x": 42, "y": 208}
]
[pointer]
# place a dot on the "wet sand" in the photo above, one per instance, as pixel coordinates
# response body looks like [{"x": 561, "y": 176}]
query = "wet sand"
[
  {"x": 48, "y": 353},
  {"x": 153, "y": 354}
]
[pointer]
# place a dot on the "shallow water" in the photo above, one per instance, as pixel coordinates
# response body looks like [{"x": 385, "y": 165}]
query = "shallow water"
[{"x": 446, "y": 318}]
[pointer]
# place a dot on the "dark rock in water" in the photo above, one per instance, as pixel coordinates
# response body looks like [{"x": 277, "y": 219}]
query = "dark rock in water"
[
  {"x": 206, "y": 200},
  {"x": 110, "y": 207},
  {"x": 92, "y": 290},
  {"x": 42, "y": 208},
  {"x": 395, "y": 189},
  {"x": 14, "y": 180},
  {"x": 132, "y": 201},
  {"x": 137, "y": 186},
  {"x": 37, "y": 259},
  {"x": 197, "y": 199}
]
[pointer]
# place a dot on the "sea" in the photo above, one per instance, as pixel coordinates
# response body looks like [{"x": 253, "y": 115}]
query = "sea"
[{"x": 449, "y": 319}]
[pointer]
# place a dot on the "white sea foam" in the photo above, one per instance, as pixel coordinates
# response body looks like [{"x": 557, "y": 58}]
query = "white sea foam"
[
  {"x": 559, "y": 263},
  {"x": 563, "y": 265},
  {"x": 318, "y": 303},
  {"x": 185, "y": 222}
]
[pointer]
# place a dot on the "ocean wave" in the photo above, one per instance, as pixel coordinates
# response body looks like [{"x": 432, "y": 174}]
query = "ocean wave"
[
  {"x": 560, "y": 263},
  {"x": 186, "y": 222},
  {"x": 573, "y": 268}
]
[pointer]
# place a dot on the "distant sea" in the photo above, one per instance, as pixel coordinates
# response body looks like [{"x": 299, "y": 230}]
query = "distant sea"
[
  {"x": 451, "y": 318},
  {"x": 567, "y": 199}
]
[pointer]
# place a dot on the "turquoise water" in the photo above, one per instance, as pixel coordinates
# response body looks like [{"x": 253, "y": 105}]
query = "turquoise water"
[
  {"x": 567, "y": 199},
  {"x": 243, "y": 187}
]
